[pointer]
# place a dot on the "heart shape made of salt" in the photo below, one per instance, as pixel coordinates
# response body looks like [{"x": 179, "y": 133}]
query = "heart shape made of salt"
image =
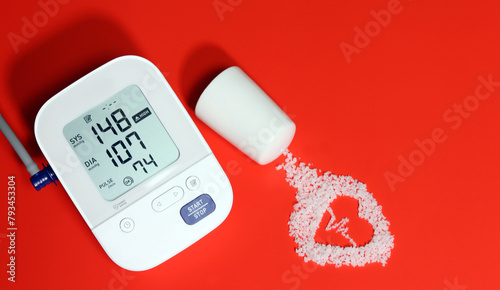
[
  {"x": 342, "y": 226},
  {"x": 315, "y": 192}
]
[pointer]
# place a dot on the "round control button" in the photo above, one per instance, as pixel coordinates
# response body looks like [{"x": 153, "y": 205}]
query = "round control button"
[
  {"x": 127, "y": 225},
  {"x": 192, "y": 182}
]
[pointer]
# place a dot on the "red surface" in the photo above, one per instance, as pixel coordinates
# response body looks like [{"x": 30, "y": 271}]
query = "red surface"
[{"x": 362, "y": 112}]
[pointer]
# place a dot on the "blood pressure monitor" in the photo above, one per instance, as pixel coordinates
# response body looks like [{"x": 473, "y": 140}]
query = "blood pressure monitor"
[{"x": 133, "y": 163}]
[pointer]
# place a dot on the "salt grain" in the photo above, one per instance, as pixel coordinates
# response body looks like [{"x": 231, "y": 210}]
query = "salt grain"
[{"x": 315, "y": 192}]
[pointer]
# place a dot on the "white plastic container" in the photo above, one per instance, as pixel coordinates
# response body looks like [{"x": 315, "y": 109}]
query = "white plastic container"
[{"x": 234, "y": 106}]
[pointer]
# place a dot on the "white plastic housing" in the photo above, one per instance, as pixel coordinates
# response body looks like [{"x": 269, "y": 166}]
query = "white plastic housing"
[
  {"x": 130, "y": 228},
  {"x": 234, "y": 106}
]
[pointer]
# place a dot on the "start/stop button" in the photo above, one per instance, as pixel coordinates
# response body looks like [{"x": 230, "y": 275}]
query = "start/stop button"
[{"x": 197, "y": 209}]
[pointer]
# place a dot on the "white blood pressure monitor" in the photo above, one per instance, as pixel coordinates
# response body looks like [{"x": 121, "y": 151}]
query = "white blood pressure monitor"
[{"x": 133, "y": 163}]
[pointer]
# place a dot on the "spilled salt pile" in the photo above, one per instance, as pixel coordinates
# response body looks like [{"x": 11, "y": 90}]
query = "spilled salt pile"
[{"x": 315, "y": 192}]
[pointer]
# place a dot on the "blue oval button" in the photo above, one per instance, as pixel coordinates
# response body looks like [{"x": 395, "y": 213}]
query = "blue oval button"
[{"x": 197, "y": 209}]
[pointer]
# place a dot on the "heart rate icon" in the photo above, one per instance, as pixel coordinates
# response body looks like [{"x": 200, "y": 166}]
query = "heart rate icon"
[
  {"x": 315, "y": 193},
  {"x": 342, "y": 226}
]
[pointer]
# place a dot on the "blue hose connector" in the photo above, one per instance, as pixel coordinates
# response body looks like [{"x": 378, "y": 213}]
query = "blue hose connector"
[{"x": 43, "y": 177}]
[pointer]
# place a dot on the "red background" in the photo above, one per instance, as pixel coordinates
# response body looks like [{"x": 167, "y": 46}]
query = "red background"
[{"x": 357, "y": 114}]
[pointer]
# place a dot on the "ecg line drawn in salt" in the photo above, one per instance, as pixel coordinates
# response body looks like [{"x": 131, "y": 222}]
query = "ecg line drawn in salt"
[{"x": 339, "y": 227}]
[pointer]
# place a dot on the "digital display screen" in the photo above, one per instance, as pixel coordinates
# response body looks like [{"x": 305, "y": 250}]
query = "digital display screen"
[{"x": 121, "y": 142}]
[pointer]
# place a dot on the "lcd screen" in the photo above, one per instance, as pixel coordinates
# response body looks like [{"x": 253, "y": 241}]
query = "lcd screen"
[{"x": 121, "y": 142}]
